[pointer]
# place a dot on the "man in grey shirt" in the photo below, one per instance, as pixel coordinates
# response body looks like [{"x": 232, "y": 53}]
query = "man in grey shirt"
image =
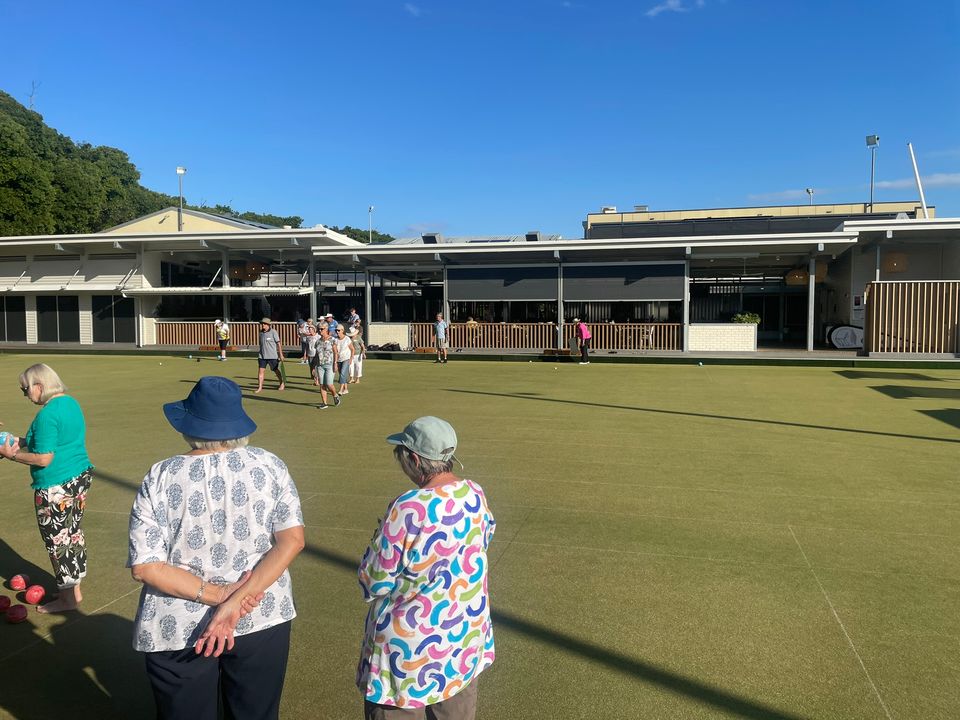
[{"x": 271, "y": 353}]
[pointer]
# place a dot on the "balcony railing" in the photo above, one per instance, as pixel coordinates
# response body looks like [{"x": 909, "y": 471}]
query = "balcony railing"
[
  {"x": 543, "y": 336},
  {"x": 242, "y": 334}
]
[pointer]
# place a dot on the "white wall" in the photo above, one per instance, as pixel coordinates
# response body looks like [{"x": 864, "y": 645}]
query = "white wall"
[
  {"x": 722, "y": 337},
  {"x": 383, "y": 333}
]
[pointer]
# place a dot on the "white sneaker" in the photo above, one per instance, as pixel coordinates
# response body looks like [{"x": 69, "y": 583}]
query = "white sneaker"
[{"x": 322, "y": 407}]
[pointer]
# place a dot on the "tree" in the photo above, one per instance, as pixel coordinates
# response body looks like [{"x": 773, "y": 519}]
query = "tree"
[
  {"x": 363, "y": 235},
  {"x": 26, "y": 195}
]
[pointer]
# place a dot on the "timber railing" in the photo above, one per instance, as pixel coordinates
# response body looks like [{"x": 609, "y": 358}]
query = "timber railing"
[
  {"x": 912, "y": 317},
  {"x": 543, "y": 336},
  {"x": 242, "y": 334}
]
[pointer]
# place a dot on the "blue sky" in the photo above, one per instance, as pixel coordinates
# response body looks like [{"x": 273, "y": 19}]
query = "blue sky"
[{"x": 501, "y": 117}]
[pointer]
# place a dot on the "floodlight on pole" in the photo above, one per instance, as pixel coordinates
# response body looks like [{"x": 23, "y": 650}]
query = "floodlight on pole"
[
  {"x": 370, "y": 225},
  {"x": 181, "y": 171},
  {"x": 873, "y": 142},
  {"x": 809, "y": 192}
]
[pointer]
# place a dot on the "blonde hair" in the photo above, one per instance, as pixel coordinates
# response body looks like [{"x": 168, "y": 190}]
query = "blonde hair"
[{"x": 45, "y": 376}]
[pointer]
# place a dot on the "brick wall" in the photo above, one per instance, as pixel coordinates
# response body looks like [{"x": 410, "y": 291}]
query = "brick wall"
[{"x": 723, "y": 337}]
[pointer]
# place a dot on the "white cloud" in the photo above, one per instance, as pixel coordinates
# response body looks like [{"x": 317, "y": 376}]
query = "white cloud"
[
  {"x": 414, "y": 10},
  {"x": 949, "y": 154},
  {"x": 929, "y": 181},
  {"x": 668, "y": 6}
]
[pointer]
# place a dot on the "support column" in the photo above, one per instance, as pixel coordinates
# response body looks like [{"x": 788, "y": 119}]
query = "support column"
[
  {"x": 225, "y": 282},
  {"x": 686, "y": 306},
  {"x": 559, "y": 306},
  {"x": 313, "y": 288},
  {"x": 811, "y": 284},
  {"x": 877, "y": 273},
  {"x": 367, "y": 303},
  {"x": 138, "y": 305},
  {"x": 446, "y": 299}
]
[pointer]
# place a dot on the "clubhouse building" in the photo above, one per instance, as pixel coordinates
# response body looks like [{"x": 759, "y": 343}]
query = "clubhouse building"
[{"x": 882, "y": 278}]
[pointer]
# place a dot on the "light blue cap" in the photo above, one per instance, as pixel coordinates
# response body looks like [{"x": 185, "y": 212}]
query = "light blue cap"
[{"x": 429, "y": 437}]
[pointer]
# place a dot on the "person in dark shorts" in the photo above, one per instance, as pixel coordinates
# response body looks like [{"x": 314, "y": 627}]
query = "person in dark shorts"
[
  {"x": 271, "y": 353},
  {"x": 223, "y": 337}
]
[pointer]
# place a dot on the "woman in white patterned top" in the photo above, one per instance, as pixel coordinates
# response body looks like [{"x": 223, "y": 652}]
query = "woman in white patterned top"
[{"x": 212, "y": 533}]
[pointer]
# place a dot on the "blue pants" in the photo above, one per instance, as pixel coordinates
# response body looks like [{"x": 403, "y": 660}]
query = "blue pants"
[{"x": 246, "y": 682}]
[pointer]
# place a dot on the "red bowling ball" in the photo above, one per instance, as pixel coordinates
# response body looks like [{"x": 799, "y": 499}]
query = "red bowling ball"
[
  {"x": 34, "y": 594},
  {"x": 19, "y": 582},
  {"x": 4, "y": 603},
  {"x": 17, "y": 614}
]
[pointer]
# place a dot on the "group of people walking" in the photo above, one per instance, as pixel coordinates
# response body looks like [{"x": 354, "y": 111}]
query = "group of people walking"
[
  {"x": 213, "y": 531},
  {"x": 333, "y": 351}
]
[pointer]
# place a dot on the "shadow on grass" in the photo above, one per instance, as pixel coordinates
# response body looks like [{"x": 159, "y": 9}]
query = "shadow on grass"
[
  {"x": 951, "y": 416},
  {"x": 683, "y": 413},
  {"x": 82, "y": 667},
  {"x": 616, "y": 662},
  {"x": 902, "y": 392},
  {"x": 885, "y": 375}
]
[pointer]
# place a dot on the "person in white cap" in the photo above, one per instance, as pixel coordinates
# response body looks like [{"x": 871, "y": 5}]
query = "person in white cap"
[
  {"x": 223, "y": 337},
  {"x": 331, "y": 324},
  {"x": 359, "y": 355},
  {"x": 428, "y": 633}
]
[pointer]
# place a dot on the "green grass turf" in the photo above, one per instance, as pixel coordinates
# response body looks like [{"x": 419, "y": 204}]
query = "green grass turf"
[{"x": 673, "y": 541}]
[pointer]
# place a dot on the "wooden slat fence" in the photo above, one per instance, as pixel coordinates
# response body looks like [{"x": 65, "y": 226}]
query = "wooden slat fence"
[
  {"x": 489, "y": 336},
  {"x": 912, "y": 317},
  {"x": 542, "y": 336},
  {"x": 630, "y": 336},
  {"x": 242, "y": 334}
]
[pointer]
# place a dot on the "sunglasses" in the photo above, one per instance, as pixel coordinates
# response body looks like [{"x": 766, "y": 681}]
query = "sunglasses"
[{"x": 26, "y": 390}]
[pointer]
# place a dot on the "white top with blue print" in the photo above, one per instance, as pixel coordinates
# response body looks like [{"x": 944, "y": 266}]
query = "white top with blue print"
[{"x": 213, "y": 515}]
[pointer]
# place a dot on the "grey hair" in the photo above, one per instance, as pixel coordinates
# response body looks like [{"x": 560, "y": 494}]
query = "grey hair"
[
  {"x": 232, "y": 444},
  {"x": 45, "y": 376},
  {"x": 422, "y": 471}
]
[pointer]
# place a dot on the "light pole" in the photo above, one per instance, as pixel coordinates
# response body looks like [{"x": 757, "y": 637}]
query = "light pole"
[
  {"x": 370, "y": 225},
  {"x": 181, "y": 171},
  {"x": 873, "y": 142},
  {"x": 809, "y": 192}
]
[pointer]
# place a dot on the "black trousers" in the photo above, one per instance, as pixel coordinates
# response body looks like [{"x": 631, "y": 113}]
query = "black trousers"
[
  {"x": 585, "y": 350},
  {"x": 246, "y": 682}
]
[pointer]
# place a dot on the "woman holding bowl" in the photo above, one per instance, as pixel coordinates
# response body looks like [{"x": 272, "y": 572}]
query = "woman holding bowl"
[
  {"x": 55, "y": 450},
  {"x": 212, "y": 533}
]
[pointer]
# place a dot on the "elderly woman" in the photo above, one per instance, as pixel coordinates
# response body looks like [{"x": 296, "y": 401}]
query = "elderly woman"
[
  {"x": 56, "y": 452},
  {"x": 359, "y": 354},
  {"x": 344, "y": 357},
  {"x": 428, "y": 632},
  {"x": 212, "y": 533}
]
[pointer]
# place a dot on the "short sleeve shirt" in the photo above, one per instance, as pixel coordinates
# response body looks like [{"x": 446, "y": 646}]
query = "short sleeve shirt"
[
  {"x": 58, "y": 428},
  {"x": 440, "y": 327},
  {"x": 344, "y": 349},
  {"x": 325, "y": 351},
  {"x": 428, "y": 631},
  {"x": 269, "y": 341},
  {"x": 223, "y": 331},
  {"x": 213, "y": 515}
]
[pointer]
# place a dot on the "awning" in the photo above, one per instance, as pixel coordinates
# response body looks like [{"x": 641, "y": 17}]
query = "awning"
[{"x": 218, "y": 290}]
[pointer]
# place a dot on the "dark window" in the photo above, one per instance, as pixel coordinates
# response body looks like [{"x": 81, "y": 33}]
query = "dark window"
[
  {"x": 47, "y": 318},
  {"x": 502, "y": 283},
  {"x": 15, "y": 316},
  {"x": 623, "y": 282},
  {"x": 113, "y": 319},
  {"x": 58, "y": 318}
]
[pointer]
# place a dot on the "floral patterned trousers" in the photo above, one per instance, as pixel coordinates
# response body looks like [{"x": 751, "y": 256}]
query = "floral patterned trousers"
[{"x": 59, "y": 512}]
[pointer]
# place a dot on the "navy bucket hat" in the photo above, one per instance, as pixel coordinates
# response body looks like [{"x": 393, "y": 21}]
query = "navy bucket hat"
[{"x": 212, "y": 411}]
